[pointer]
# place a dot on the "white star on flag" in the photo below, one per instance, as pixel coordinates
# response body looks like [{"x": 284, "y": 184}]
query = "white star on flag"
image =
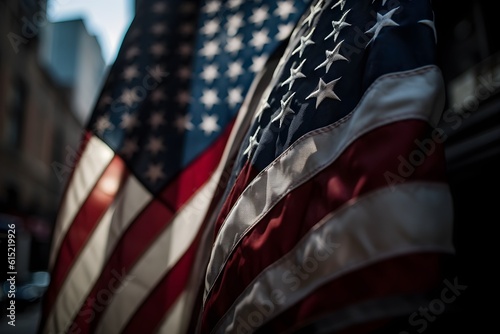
[
  {"x": 155, "y": 145},
  {"x": 132, "y": 52},
  {"x": 212, "y": 7},
  {"x": 260, "y": 38},
  {"x": 209, "y": 98},
  {"x": 157, "y": 96},
  {"x": 284, "y": 30},
  {"x": 129, "y": 97},
  {"x": 304, "y": 42},
  {"x": 210, "y": 73},
  {"x": 156, "y": 119},
  {"x": 211, "y": 27},
  {"x": 160, "y": 7},
  {"x": 159, "y": 29},
  {"x": 209, "y": 124},
  {"x": 338, "y": 26},
  {"x": 382, "y": 21},
  {"x": 258, "y": 63},
  {"x": 285, "y": 110},
  {"x": 232, "y": 4},
  {"x": 235, "y": 69},
  {"x": 317, "y": 8},
  {"x": 102, "y": 124},
  {"x": 186, "y": 29},
  {"x": 183, "y": 98},
  {"x": 184, "y": 73},
  {"x": 185, "y": 49},
  {"x": 234, "y": 44},
  {"x": 158, "y": 49},
  {"x": 235, "y": 96},
  {"x": 129, "y": 148},
  {"x": 331, "y": 57},
  {"x": 210, "y": 49},
  {"x": 324, "y": 91},
  {"x": 259, "y": 15},
  {"x": 295, "y": 73},
  {"x": 131, "y": 72},
  {"x": 252, "y": 143},
  {"x": 285, "y": 9},
  {"x": 155, "y": 172},
  {"x": 129, "y": 121}
]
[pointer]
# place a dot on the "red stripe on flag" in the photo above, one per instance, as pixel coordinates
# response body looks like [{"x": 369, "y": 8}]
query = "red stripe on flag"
[
  {"x": 358, "y": 170},
  {"x": 96, "y": 204},
  {"x": 406, "y": 275}
]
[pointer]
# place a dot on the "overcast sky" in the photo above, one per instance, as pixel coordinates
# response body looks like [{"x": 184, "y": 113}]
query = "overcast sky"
[{"x": 107, "y": 19}]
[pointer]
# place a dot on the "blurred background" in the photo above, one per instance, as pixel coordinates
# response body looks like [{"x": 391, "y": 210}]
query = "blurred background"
[{"x": 54, "y": 56}]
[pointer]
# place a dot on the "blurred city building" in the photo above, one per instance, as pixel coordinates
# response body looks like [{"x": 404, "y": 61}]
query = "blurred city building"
[
  {"x": 74, "y": 59},
  {"x": 50, "y": 74},
  {"x": 469, "y": 55}
]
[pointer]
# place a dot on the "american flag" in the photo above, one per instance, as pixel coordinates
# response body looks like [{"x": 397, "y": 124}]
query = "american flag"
[
  {"x": 337, "y": 217},
  {"x": 129, "y": 227},
  {"x": 228, "y": 184}
]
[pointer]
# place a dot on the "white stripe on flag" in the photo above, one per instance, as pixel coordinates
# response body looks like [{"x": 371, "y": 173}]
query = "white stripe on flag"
[
  {"x": 399, "y": 96},
  {"x": 94, "y": 160},
  {"x": 410, "y": 218}
]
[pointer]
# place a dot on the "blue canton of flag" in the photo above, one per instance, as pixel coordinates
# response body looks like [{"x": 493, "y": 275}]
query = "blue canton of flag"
[
  {"x": 331, "y": 64},
  {"x": 162, "y": 106}
]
